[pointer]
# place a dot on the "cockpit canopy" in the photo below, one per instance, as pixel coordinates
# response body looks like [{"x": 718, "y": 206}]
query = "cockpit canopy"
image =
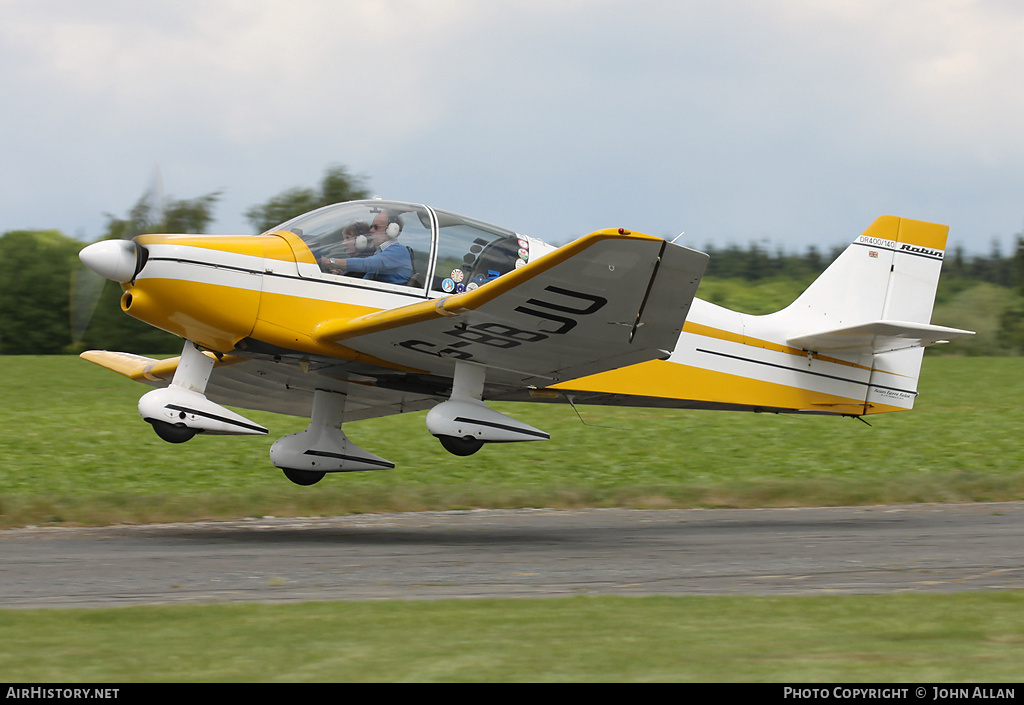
[{"x": 450, "y": 253}]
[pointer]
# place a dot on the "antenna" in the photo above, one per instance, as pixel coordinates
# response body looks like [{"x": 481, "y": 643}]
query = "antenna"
[{"x": 572, "y": 403}]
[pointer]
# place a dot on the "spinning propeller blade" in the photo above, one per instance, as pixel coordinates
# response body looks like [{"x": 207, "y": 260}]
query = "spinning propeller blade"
[{"x": 88, "y": 280}]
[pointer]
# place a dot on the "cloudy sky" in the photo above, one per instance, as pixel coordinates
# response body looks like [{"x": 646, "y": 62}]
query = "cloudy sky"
[{"x": 786, "y": 122}]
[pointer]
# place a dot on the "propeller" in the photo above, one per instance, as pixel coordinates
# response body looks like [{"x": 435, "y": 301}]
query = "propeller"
[
  {"x": 116, "y": 258},
  {"x": 86, "y": 289}
]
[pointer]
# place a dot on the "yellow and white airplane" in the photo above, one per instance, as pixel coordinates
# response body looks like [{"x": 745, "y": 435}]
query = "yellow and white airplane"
[{"x": 448, "y": 313}]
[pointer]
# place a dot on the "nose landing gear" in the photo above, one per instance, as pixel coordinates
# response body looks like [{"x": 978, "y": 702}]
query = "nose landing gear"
[{"x": 181, "y": 410}]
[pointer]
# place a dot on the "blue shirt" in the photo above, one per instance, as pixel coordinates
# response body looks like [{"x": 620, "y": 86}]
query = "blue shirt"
[{"x": 392, "y": 263}]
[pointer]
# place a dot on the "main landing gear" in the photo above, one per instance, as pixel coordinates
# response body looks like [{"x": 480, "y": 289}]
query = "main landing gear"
[
  {"x": 464, "y": 422},
  {"x": 305, "y": 457}
]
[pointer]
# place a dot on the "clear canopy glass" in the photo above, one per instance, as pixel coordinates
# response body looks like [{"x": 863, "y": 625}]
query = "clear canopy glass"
[{"x": 450, "y": 252}]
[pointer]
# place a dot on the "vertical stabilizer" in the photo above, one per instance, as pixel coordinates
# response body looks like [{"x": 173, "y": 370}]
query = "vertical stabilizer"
[
  {"x": 873, "y": 305},
  {"x": 890, "y": 272}
]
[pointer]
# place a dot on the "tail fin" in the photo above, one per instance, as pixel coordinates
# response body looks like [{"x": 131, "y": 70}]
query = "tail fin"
[
  {"x": 875, "y": 302},
  {"x": 890, "y": 272}
]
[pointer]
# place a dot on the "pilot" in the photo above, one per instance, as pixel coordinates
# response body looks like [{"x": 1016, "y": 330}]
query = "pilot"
[{"x": 390, "y": 262}]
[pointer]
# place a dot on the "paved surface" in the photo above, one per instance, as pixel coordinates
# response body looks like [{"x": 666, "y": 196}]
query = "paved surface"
[{"x": 521, "y": 553}]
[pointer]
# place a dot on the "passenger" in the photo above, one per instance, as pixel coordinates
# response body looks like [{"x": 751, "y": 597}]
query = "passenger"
[
  {"x": 355, "y": 242},
  {"x": 390, "y": 262}
]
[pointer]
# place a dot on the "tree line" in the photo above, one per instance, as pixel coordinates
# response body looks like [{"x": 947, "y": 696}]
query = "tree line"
[
  {"x": 756, "y": 263},
  {"x": 50, "y": 304}
]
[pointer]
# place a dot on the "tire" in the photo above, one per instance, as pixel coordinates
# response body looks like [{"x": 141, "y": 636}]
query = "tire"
[
  {"x": 172, "y": 433},
  {"x": 303, "y": 477},
  {"x": 460, "y": 446}
]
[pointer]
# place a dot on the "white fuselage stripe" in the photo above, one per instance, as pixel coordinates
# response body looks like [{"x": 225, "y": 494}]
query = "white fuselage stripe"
[{"x": 221, "y": 268}]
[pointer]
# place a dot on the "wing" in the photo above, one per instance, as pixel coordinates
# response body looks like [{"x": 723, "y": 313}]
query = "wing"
[
  {"x": 607, "y": 300},
  {"x": 281, "y": 387}
]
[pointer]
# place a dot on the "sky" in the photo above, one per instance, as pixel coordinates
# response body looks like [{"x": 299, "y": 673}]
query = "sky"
[{"x": 787, "y": 123}]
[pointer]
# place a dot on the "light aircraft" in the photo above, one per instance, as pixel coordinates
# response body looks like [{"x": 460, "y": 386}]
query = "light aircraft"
[{"x": 483, "y": 313}]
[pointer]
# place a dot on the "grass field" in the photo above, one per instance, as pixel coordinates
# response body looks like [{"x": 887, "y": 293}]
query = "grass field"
[
  {"x": 895, "y": 638},
  {"x": 74, "y": 450}
]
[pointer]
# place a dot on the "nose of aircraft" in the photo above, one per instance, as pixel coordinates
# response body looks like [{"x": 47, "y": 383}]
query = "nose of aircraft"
[{"x": 113, "y": 259}]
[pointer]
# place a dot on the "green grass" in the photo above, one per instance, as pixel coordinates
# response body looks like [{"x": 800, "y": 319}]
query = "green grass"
[
  {"x": 74, "y": 450},
  {"x": 757, "y": 297},
  {"x": 896, "y": 638}
]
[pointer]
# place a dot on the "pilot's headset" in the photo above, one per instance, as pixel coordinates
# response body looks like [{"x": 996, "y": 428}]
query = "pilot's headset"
[
  {"x": 392, "y": 231},
  {"x": 394, "y": 228},
  {"x": 360, "y": 229}
]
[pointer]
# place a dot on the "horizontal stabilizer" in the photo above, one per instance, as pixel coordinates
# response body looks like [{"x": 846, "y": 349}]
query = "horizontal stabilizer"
[{"x": 877, "y": 337}]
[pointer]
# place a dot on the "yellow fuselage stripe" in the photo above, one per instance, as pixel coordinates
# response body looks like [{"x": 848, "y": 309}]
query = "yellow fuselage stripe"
[{"x": 661, "y": 379}]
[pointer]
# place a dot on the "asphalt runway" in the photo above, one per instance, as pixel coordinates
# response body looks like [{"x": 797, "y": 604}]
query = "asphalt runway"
[{"x": 521, "y": 553}]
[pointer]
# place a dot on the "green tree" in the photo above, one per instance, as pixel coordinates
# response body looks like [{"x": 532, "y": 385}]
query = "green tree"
[
  {"x": 35, "y": 275},
  {"x": 337, "y": 186},
  {"x": 1012, "y": 321},
  {"x": 153, "y": 214}
]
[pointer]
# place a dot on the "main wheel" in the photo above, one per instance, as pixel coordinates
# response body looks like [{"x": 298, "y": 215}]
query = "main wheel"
[
  {"x": 461, "y": 446},
  {"x": 172, "y": 433},
  {"x": 304, "y": 477}
]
